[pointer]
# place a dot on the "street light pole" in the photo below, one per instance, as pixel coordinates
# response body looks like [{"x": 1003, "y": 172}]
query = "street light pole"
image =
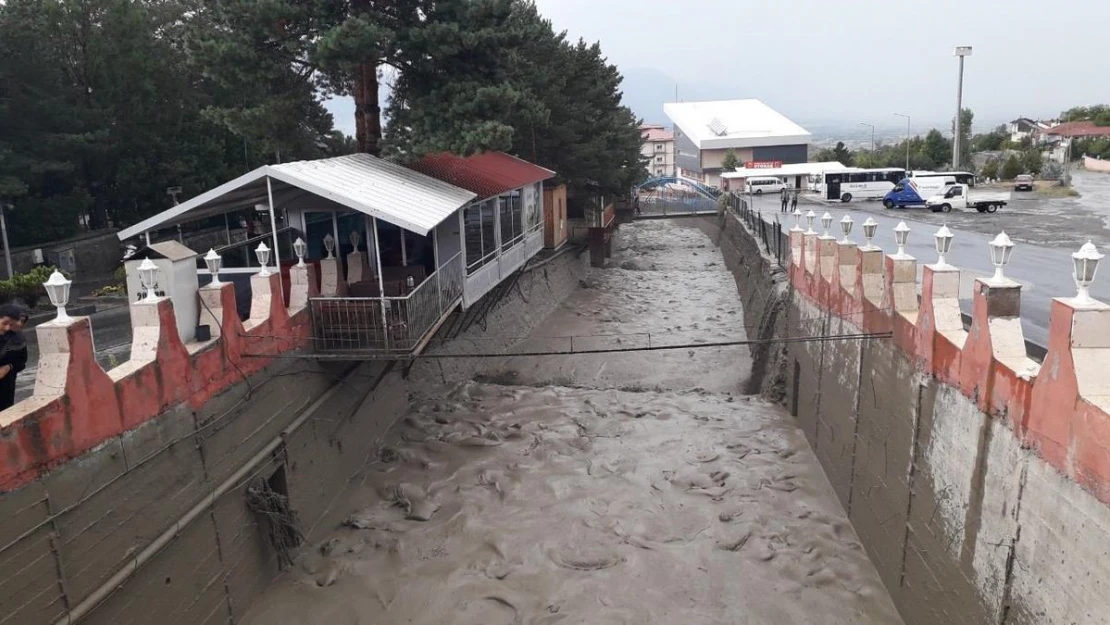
[
  {"x": 870, "y": 157},
  {"x": 961, "y": 52},
  {"x": 907, "y": 139},
  {"x": 4, "y": 232}
]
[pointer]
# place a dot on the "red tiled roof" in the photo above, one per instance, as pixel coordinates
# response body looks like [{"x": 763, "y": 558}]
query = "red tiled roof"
[
  {"x": 488, "y": 175},
  {"x": 656, "y": 133},
  {"x": 1079, "y": 129}
]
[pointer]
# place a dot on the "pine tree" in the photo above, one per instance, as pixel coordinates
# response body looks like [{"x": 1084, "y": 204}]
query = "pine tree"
[
  {"x": 1012, "y": 168},
  {"x": 730, "y": 161}
]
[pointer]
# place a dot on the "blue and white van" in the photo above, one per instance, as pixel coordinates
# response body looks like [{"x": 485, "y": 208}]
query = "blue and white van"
[{"x": 914, "y": 191}]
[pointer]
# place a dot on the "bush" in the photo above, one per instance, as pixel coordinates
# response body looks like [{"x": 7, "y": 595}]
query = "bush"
[
  {"x": 26, "y": 287},
  {"x": 990, "y": 169}
]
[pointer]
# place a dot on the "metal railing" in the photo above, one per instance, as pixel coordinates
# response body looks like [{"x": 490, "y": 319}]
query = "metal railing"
[
  {"x": 776, "y": 240},
  {"x": 387, "y": 325},
  {"x": 660, "y": 206}
]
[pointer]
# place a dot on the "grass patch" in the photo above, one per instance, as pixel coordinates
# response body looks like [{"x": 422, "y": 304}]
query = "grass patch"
[{"x": 1056, "y": 191}]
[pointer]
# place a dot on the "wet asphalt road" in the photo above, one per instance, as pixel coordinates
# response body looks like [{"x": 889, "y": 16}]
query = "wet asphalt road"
[
  {"x": 1045, "y": 231},
  {"x": 111, "y": 338}
]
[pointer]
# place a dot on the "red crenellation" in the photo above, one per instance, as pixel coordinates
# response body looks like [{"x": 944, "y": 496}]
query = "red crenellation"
[
  {"x": 1060, "y": 410},
  {"x": 50, "y": 428}
]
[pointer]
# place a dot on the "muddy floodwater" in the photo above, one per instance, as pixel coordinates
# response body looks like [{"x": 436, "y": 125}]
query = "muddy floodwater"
[{"x": 635, "y": 487}]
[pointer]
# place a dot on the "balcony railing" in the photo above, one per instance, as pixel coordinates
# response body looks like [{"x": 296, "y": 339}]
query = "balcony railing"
[{"x": 387, "y": 326}]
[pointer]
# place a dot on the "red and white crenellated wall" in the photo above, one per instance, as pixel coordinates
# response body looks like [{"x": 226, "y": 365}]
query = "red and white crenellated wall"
[{"x": 77, "y": 405}]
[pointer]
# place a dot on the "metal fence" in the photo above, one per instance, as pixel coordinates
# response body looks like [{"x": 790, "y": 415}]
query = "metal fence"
[
  {"x": 386, "y": 325},
  {"x": 662, "y": 207},
  {"x": 775, "y": 239}
]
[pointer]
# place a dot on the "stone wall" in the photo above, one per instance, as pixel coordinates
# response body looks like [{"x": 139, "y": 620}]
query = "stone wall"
[
  {"x": 1094, "y": 164},
  {"x": 976, "y": 479}
]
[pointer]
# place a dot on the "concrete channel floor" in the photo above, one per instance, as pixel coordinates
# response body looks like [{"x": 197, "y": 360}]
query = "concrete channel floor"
[{"x": 637, "y": 487}]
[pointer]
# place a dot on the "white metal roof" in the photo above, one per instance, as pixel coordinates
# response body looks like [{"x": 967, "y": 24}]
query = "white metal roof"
[
  {"x": 361, "y": 182},
  {"x": 789, "y": 169},
  {"x": 734, "y": 124}
]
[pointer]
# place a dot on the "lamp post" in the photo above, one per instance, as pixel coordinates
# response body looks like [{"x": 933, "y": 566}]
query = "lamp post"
[
  {"x": 797, "y": 220},
  {"x": 148, "y": 276},
  {"x": 810, "y": 216},
  {"x": 869, "y": 227},
  {"x": 4, "y": 231},
  {"x": 213, "y": 261},
  {"x": 871, "y": 156},
  {"x": 907, "y": 139},
  {"x": 329, "y": 245},
  {"x": 300, "y": 248},
  {"x": 1086, "y": 264},
  {"x": 943, "y": 241},
  {"x": 826, "y": 222},
  {"x": 1001, "y": 248},
  {"x": 263, "y": 254},
  {"x": 901, "y": 235},
  {"x": 961, "y": 52},
  {"x": 846, "y": 228},
  {"x": 57, "y": 289}
]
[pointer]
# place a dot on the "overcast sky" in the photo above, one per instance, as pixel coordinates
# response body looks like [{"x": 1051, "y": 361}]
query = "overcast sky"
[
  {"x": 856, "y": 60},
  {"x": 848, "y": 61}
]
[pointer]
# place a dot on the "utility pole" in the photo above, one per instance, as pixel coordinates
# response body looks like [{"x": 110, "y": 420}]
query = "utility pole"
[
  {"x": 907, "y": 139},
  {"x": 961, "y": 52},
  {"x": 871, "y": 156}
]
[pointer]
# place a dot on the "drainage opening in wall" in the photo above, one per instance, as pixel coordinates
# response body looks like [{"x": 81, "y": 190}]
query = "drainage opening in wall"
[
  {"x": 794, "y": 388},
  {"x": 268, "y": 498}
]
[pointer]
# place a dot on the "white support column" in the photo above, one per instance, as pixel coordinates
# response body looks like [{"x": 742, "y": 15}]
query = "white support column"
[
  {"x": 381, "y": 284},
  {"x": 273, "y": 231},
  {"x": 404, "y": 249}
]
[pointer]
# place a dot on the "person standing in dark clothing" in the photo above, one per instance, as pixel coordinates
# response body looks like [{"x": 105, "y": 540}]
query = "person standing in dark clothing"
[
  {"x": 794, "y": 202},
  {"x": 785, "y": 199},
  {"x": 13, "y": 351}
]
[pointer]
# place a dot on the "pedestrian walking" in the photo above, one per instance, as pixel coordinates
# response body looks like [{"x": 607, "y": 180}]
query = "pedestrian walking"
[
  {"x": 13, "y": 351},
  {"x": 794, "y": 202}
]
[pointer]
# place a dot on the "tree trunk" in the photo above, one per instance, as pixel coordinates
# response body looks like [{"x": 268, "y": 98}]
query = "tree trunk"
[{"x": 368, "y": 121}]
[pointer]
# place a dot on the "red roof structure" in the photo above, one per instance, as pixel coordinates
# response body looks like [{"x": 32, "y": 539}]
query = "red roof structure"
[
  {"x": 654, "y": 132},
  {"x": 488, "y": 175},
  {"x": 1079, "y": 129}
]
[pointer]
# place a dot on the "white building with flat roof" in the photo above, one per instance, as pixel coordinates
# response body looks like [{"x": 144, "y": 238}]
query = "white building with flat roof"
[{"x": 704, "y": 132}]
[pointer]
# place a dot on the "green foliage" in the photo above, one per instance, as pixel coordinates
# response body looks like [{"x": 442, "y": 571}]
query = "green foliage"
[
  {"x": 494, "y": 75},
  {"x": 840, "y": 154},
  {"x": 730, "y": 161},
  {"x": 1032, "y": 161},
  {"x": 1052, "y": 170},
  {"x": 1098, "y": 113},
  {"x": 26, "y": 287},
  {"x": 991, "y": 141},
  {"x": 990, "y": 169},
  {"x": 1012, "y": 168},
  {"x": 936, "y": 149}
]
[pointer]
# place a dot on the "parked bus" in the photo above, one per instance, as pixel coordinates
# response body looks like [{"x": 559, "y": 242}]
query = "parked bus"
[
  {"x": 961, "y": 177},
  {"x": 859, "y": 184}
]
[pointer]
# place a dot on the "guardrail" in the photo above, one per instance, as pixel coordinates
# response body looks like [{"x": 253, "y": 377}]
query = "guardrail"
[{"x": 386, "y": 325}]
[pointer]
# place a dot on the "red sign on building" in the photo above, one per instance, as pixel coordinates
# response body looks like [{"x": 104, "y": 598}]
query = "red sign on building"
[{"x": 764, "y": 165}]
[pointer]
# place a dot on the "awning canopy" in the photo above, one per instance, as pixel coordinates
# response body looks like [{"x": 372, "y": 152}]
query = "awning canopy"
[
  {"x": 370, "y": 185},
  {"x": 789, "y": 169}
]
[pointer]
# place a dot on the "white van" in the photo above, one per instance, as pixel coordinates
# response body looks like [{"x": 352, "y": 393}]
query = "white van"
[{"x": 764, "y": 184}]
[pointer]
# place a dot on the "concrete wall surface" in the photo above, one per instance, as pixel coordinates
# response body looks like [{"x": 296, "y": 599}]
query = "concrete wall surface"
[
  {"x": 131, "y": 503},
  {"x": 976, "y": 478}
]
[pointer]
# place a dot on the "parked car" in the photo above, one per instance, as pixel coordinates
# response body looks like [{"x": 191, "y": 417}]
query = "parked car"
[
  {"x": 759, "y": 185},
  {"x": 1024, "y": 182}
]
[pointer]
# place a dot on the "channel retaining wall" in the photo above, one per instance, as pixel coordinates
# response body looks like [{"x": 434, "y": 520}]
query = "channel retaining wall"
[
  {"x": 99, "y": 469},
  {"x": 977, "y": 479}
]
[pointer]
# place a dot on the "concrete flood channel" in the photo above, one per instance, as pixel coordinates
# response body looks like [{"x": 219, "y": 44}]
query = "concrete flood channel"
[{"x": 629, "y": 487}]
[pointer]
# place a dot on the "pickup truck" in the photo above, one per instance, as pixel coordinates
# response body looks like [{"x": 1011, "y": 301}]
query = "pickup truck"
[{"x": 958, "y": 196}]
